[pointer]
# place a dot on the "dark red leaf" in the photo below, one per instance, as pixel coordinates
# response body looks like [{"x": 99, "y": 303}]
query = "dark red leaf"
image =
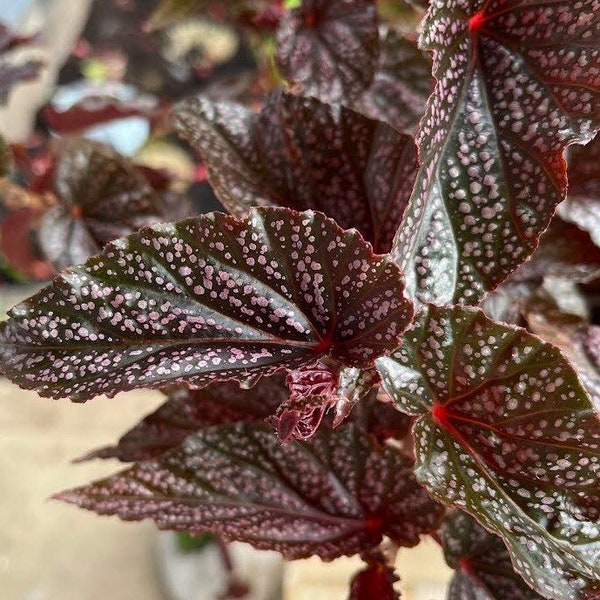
[
  {"x": 375, "y": 582},
  {"x": 483, "y": 570},
  {"x": 102, "y": 197},
  {"x": 335, "y": 495},
  {"x": 211, "y": 298},
  {"x": 517, "y": 82},
  {"x": 189, "y": 411},
  {"x": 506, "y": 431},
  {"x": 329, "y": 48},
  {"x": 303, "y": 154},
  {"x": 401, "y": 86}
]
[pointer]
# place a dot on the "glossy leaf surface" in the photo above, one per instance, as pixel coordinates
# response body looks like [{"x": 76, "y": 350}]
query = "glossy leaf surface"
[
  {"x": 304, "y": 154},
  {"x": 211, "y": 298},
  {"x": 329, "y": 48},
  {"x": 188, "y": 411},
  {"x": 506, "y": 431},
  {"x": 401, "y": 86},
  {"x": 334, "y": 495},
  {"x": 483, "y": 570},
  {"x": 102, "y": 198},
  {"x": 517, "y": 82}
]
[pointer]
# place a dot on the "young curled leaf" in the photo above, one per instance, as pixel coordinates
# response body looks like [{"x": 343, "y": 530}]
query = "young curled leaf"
[
  {"x": 483, "y": 570},
  {"x": 303, "y": 154},
  {"x": 329, "y": 48},
  {"x": 506, "y": 431},
  {"x": 375, "y": 581},
  {"x": 207, "y": 299},
  {"x": 188, "y": 411},
  {"x": 102, "y": 197},
  {"x": 517, "y": 82},
  {"x": 334, "y": 495}
]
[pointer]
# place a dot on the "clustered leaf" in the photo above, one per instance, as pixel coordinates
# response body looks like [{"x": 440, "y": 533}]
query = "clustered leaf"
[
  {"x": 329, "y": 48},
  {"x": 483, "y": 570},
  {"x": 334, "y": 495},
  {"x": 517, "y": 82},
  {"x": 505, "y": 431},
  {"x": 304, "y": 154},
  {"x": 210, "y": 298}
]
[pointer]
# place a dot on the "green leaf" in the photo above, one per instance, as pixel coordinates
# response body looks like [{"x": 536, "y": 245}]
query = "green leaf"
[
  {"x": 483, "y": 570},
  {"x": 304, "y": 154},
  {"x": 517, "y": 82},
  {"x": 207, "y": 299},
  {"x": 334, "y": 495},
  {"x": 506, "y": 431}
]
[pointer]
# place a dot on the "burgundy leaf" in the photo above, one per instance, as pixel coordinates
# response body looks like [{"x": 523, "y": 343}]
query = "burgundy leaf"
[
  {"x": 102, "y": 198},
  {"x": 211, "y": 298},
  {"x": 329, "y": 48},
  {"x": 401, "y": 86},
  {"x": 565, "y": 251},
  {"x": 483, "y": 570},
  {"x": 335, "y": 495},
  {"x": 506, "y": 431},
  {"x": 303, "y": 154},
  {"x": 375, "y": 582},
  {"x": 189, "y": 411},
  {"x": 517, "y": 82}
]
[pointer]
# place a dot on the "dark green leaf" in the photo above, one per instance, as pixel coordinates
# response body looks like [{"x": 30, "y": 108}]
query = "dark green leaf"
[
  {"x": 334, "y": 495},
  {"x": 517, "y": 82},
  {"x": 506, "y": 431},
  {"x": 211, "y": 298},
  {"x": 482, "y": 564},
  {"x": 303, "y": 154}
]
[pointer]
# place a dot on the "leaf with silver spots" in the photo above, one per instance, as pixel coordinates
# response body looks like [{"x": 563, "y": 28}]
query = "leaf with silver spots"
[
  {"x": 303, "y": 154},
  {"x": 517, "y": 82},
  {"x": 483, "y": 570},
  {"x": 506, "y": 431},
  {"x": 334, "y": 495},
  {"x": 329, "y": 48},
  {"x": 207, "y": 299}
]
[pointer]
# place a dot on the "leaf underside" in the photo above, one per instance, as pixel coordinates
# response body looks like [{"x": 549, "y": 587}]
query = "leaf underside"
[
  {"x": 483, "y": 570},
  {"x": 517, "y": 82},
  {"x": 210, "y": 298},
  {"x": 505, "y": 431},
  {"x": 329, "y": 48},
  {"x": 334, "y": 495},
  {"x": 303, "y": 154}
]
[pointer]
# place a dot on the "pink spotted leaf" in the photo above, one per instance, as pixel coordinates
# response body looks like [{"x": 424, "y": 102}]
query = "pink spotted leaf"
[
  {"x": 323, "y": 497},
  {"x": 304, "y": 154},
  {"x": 188, "y": 411},
  {"x": 210, "y": 298},
  {"x": 517, "y": 82},
  {"x": 102, "y": 197},
  {"x": 329, "y": 48},
  {"x": 506, "y": 431},
  {"x": 483, "y": 570}
]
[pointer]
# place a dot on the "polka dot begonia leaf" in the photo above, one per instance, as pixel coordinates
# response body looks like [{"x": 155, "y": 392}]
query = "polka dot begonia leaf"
[
  {"x": 335, "y": 495},
  {"x": 517, "y": 82},
  {"x": 303, "y": 154},
  {"x": 207, "y": 299},
  {"x": 483, "y": 570},
  {"x": 329, "y": 48},
  {"x": 506, "y": 431},
  {"x": 101, "y": 196},
  {"x": 188, "y": 411}
]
